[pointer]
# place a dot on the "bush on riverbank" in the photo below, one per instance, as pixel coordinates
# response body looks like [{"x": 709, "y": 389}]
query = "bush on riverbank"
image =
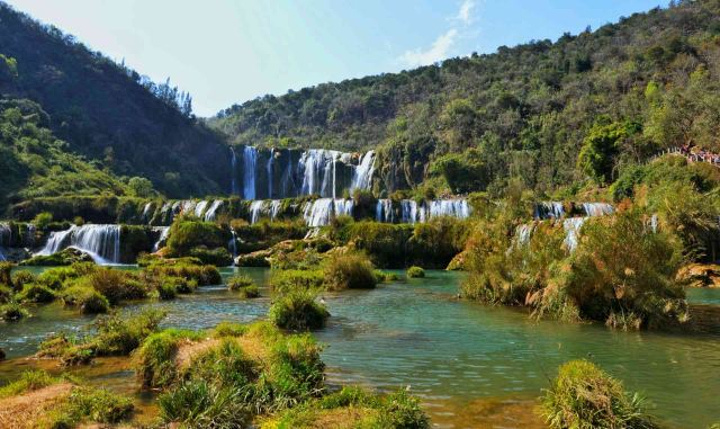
[
  {"x": 621, "y": 273},
  {"x": 415, "y": 272},
  {"x": 349, "y": 270},
  {"x": 36, "y": 293},
  {"x": 12, "y": 312},
  {"x": 185, "y": 235},
  {"x": 220, "y": 257},
  {"x": 354, "y": 407},
  {"x": 283, "y": 281},
  {"x": 298, "y": 310},
  {"x": 585, "y": 397},
  {"x": 116, "y": 335}
]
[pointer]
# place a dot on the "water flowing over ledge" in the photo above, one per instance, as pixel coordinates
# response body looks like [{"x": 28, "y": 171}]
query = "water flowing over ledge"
[
  {"x": 289, "y": 173},
  {"x": 101, "y": 242}
]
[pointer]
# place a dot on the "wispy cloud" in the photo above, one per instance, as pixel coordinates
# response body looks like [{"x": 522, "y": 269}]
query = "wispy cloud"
[
  {"x": 438, "y": 51},
  {"x": 465, "y": 13},
  {"x": 444, "y": 43}
]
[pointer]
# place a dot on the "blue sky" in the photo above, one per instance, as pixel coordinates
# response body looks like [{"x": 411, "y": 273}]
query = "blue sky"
[{"x": 229, "y": 51}]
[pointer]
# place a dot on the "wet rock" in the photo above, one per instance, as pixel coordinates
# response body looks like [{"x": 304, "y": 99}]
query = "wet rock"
[{"x": 701, "y": 275}]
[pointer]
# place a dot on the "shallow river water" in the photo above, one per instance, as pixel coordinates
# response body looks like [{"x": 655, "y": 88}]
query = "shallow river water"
[{"x": 472, "y": 365}]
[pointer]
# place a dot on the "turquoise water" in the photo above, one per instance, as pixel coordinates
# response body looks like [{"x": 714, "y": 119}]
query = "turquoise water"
[{"x": 418, "y": 334}]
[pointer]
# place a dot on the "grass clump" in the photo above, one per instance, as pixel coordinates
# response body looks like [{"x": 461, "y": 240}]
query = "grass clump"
[
  {"x": 235, "y": 283},
  {"x": 22, "y": 278},
  {"x": 92, "y": 405},
  {"x": 298, "y": 310},
  {"x": 166, "y": 291},
  {"x": 199, "y": 404},
  {"x": 288, "y": 280},
  {"x": 352, "y": 270},
  {"x": 36, "y": 293},
  {"x": 384, "y": 276},
  {"x": 155, "y": 359},
  {"x": 354, "y": 407},
  {"x": 584, "y": 397},
  {"x": 415, "y": 273},
  {"x": 115, "y": 335},
  {"x": 85, "y": 298},
  {"x": 12, "y": 312},
  {"x": 29, "y": 381}
]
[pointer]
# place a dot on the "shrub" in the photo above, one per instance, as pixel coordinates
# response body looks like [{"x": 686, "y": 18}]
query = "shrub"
[
  {"x": 155, "y": 359},
  {"x": 22, "y": 278},
  {"x": 200, "y": 404},
  {"x": 415, "y": 273},
  {"x": 87, "y": 299},
  {"x": 219, "y": 257},
  {"x": 42, "y": 220},
  {"x": 6, "y": 294},
  {"x": 12, "y": 312},
  {"x": 384, "y": 276},
  {"x": 250, "y": 292},
  {"x": 349, "y": 271},
  {"x": 229, "y": 329},
  {"x": 236, "y": 283},
  {"x": 5, "y": 273},
  {"x": 204, "y": 275},
  {"x": 116, "y": 285},
  {"x": 28, "y": 381},
  {"x": 67, "y": 256},
  {"x": 288, "y": 280},
  {"x": 166, "y": 291},
  {"x": 583, "y": 396},
  {"x": 400, "y": 410},
  {"x": 187, "y": 234},
  {"x": 97, "y": 405},
  {"x": 36, "y": 293},
  {"x": 298, "y": 310},
  {"x": 180, "y": 285}
]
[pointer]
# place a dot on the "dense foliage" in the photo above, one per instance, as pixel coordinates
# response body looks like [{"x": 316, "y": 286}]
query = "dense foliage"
[{"x": 549, "y": 114}]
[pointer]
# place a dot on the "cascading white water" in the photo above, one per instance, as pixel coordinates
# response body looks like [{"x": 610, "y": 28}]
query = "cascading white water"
[
  {"x": 200, "y": 208},
  {"x": 147, "y": 212},
  {"x": 275, "y": 208},
  {"x": 102, "y": 242},
  {"x": 384, "y": 211},
  {"x": 458, "y": 208},
  {"x": 5, "y": 239},
  {"x": 598, "y": 209},
  {"x": 256, "y": 209},
  {"x": 249, "y": 162},
  {"x": 343, "y": 207},
  {"x": 233, "y": 246},
  {"x": 549, "y": 210},
  {"x": 233, "y": 174},
  {"x": 164, "y": 232},
  {"x": 318, "y": 212},
  {"x": 410, "y": 212},
  {"x": 522, "y": 234},
  {"x": 187, "y": 207},
  {"x": 572, "y": 228},
  {"x": 364, "y": 171},
  {"x": 211, "y": 213},
  {"x": 271, "y": 160},
  {"x": 317, "y": 169}
]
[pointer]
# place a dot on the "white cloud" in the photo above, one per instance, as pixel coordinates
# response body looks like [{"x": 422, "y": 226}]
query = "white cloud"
[
  {"x": 438, "y": 51},
  {"x": 465, "y": 13}
]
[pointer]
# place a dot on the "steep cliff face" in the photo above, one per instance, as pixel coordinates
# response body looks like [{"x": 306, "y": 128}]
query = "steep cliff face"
[{"x": 102, "y": 110}]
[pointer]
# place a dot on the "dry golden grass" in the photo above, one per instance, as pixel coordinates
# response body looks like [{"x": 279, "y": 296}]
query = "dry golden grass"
[{"x": 27, "y": 410}]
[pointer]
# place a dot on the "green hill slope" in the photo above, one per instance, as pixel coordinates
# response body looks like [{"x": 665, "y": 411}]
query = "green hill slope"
[
  {"x": 617, "y": 95},
  {"x": 109, "y": 113}
]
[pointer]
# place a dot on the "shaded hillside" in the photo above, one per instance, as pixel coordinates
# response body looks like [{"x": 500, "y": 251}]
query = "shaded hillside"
[
  {"x": 34, "y": 163},
  {"x": 104, "y": 112},
  {"x": 549, "y": 114}
]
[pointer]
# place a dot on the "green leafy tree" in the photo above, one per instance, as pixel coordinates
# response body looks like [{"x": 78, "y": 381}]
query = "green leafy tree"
[{"x": 601, "y": 147}]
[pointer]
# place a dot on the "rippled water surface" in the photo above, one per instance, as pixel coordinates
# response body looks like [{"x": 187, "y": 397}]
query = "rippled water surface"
[{"x": 461, "y": 358}]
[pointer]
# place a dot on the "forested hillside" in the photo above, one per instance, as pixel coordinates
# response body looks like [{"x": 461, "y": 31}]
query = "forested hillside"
[
  {"x": 550, "y": 114},
  {"x": 109, "y": 113}
]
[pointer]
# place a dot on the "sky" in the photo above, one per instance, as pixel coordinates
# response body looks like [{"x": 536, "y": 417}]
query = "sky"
[{"x": 228, "y": 51}]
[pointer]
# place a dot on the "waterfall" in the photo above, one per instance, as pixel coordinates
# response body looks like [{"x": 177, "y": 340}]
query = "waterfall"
[
  {"x": 549, "y": 209},
  {"x": 233, "y": 246},
  {"x": 102, "y": 242},
  {"x": 598, "y": 209},
  {"x": 256, "y": 208},
  {"x": 318, "y": 212},
  {"x": 249, "y": 161},
  {"x": 317, "y": 166},
  {"x": 146, "y": 215},
  {"x": 522, "y": 234},
  {"x": 458, "y": 208},
  {"x": 654, "y": 223},
  {"x": 275, "y": 208},
  {"x": 572, "y": 228},
  {"x": 233, "y": 173},
  {"x": 164, "y": 232},
  {"x": 211, "y": 213},
  {"x": 363, "y": 172},
  {"x": 200, "y": 208},
  {"x": 271, "y": 159},
  {"x": 409, "y": 211},
  {"x": 343, "y": 207},
  {"x": 5, "y": 239},
  {"x": 384, "y": 211}
]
